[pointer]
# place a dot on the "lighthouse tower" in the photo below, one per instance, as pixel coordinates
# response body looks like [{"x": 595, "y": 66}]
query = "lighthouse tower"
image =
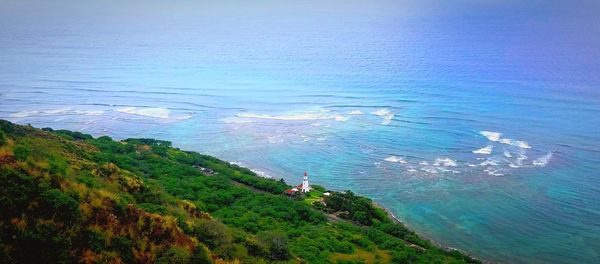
[{"x": 305, "y": 186}]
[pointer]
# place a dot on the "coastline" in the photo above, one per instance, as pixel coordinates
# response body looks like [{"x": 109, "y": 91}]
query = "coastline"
[
  {"x": 389, "y": 213},
  {"x": 433, "y": 241},
  {"x": 124, "y": 172}
]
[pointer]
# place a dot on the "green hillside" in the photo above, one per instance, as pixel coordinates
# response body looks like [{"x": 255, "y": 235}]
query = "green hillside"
[{"x": 67, "y": 197}]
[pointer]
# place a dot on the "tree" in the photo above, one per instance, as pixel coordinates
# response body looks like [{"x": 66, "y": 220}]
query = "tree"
[
  {"x": 212, "y": 233},
  {"x": 276, "y": 244},
  {"x": 200, "y": 256},
  {"x": 21, "y": 152},
  {"x": 2, "y": 138}
]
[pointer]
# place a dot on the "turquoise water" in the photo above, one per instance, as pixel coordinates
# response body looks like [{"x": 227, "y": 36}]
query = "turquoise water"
[{"x": 477, "y": 124}]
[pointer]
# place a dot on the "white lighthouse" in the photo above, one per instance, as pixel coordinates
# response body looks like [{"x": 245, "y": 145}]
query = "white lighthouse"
[{"x": 305, "y": 186}]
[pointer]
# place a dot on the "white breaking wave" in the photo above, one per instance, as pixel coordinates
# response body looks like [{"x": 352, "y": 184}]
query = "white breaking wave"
[
  {"x": 506, "y": 141},
  {"x": 488, "y": 163},
  {"x": 89, "y": 112},
  {"x": 387, "y": 119},
  {"x": 395, "y": 159},
  {"x": 355, "y": 112},
  {"x": 386, "y": 114},
  {"x": 507, "y": 154},
  {"x": 446, "y": 162},
  {"x": 62, "y": 111},
  {"x": 236, "y": 120},
  {"x": 543, "y": 160},
  {"x": 295, "y": 117},
  {"x": 23, "y": 114},
  {"x": 492, "y": 136},
  {"x": 430, "y": 170},
  {"x": 258, "y": 172},
  {"x": 497, "y": 137},
  {"x": 493, "y": 172},
  {"x": 382, "y": 112},
  {"x": 485, "y": 150},
  {"x": 156, "y": 112},
  {"x": 521, "y": 144},
  {"x": 516, "y": 143}
]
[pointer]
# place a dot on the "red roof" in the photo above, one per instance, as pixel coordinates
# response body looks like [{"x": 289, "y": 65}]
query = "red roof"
[{"x": 290, "y": 192}]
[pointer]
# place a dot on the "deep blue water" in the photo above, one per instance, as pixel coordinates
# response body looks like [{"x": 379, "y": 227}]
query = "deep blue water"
[{"x": 391, "y": 99}]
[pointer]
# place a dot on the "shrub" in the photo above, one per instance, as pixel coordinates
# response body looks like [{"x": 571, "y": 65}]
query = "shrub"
[
  {"x": 200, "y": 256},
  {"x": 174, "y": 255},
  {"x": 60, "y": 206},
  {"x": 276, "y": 244},
  {"x": 211, "y": 232},
  {"x": 2, "y": 138},
  {"x": 21, "y": 152}
]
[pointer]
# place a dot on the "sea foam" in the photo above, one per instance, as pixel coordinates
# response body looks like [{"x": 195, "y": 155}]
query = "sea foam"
[
  {"x": 156, "y": 112},
  {"x": 492, "y": 136},
  {"x": 485, "y": 150},
  {"x": 446, "y": 162},
  {"x": 395, "y": 159},
  {"x": 543, "y": 160},
  {"x": 53, "y": 112},
  {"x": 153, "y": 112},
  {"x": 295, "y": 117},
  {"x": 386, "y": 114}
]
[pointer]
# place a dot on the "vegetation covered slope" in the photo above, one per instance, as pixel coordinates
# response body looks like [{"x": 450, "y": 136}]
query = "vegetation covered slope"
[{"x": 66, "y": 197}]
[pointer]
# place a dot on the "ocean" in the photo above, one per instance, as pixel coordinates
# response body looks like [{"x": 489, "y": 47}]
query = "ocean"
[{"x": 477, "y": 123}]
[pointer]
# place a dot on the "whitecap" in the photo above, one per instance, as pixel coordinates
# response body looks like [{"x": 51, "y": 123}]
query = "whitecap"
[
  {"x": 446, "y": 162},
  {"x": 53, "y": 112},
  {"x": 490, "y": 135},
  {"x": 261, "y": 173},
  {"x": 543, "y": 160},
  {"x": 507, "y": 154},
  {"x": 23, "y": 114},
  {"x": 340, "y": 118},
  {"x": 485, "y": 150},
  {"x": 382, "y": 112},
  {"x": 56, "y": 111},
  {"x": 386, "y": 114},
  {"x": 235, "y": 120},
  {"x": 387, "y": 119},
  {"x": 294, "y": 117},
  {"x": 355, "y": 112},
  {"x": 430, "y": 170},
  {"x": 516, "y": 143},
  {"x": 493, "y": 172},
  {"x": 506, "y": 141},
  {"x": 156, "y": 112},
  {"x": 521, "y": 144},
  {"x": 488, "y": 163},
  {"x": 184, "y": 117},
  {"x": 395, "y": 159},
  {"x": 89, "y": 112}
]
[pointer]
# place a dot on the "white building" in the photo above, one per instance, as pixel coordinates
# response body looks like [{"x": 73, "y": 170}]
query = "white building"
[{"x": 305, "y": 187}]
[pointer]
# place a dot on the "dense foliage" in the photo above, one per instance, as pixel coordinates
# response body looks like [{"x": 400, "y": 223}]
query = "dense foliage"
[{"x": 67, "y": 197}]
